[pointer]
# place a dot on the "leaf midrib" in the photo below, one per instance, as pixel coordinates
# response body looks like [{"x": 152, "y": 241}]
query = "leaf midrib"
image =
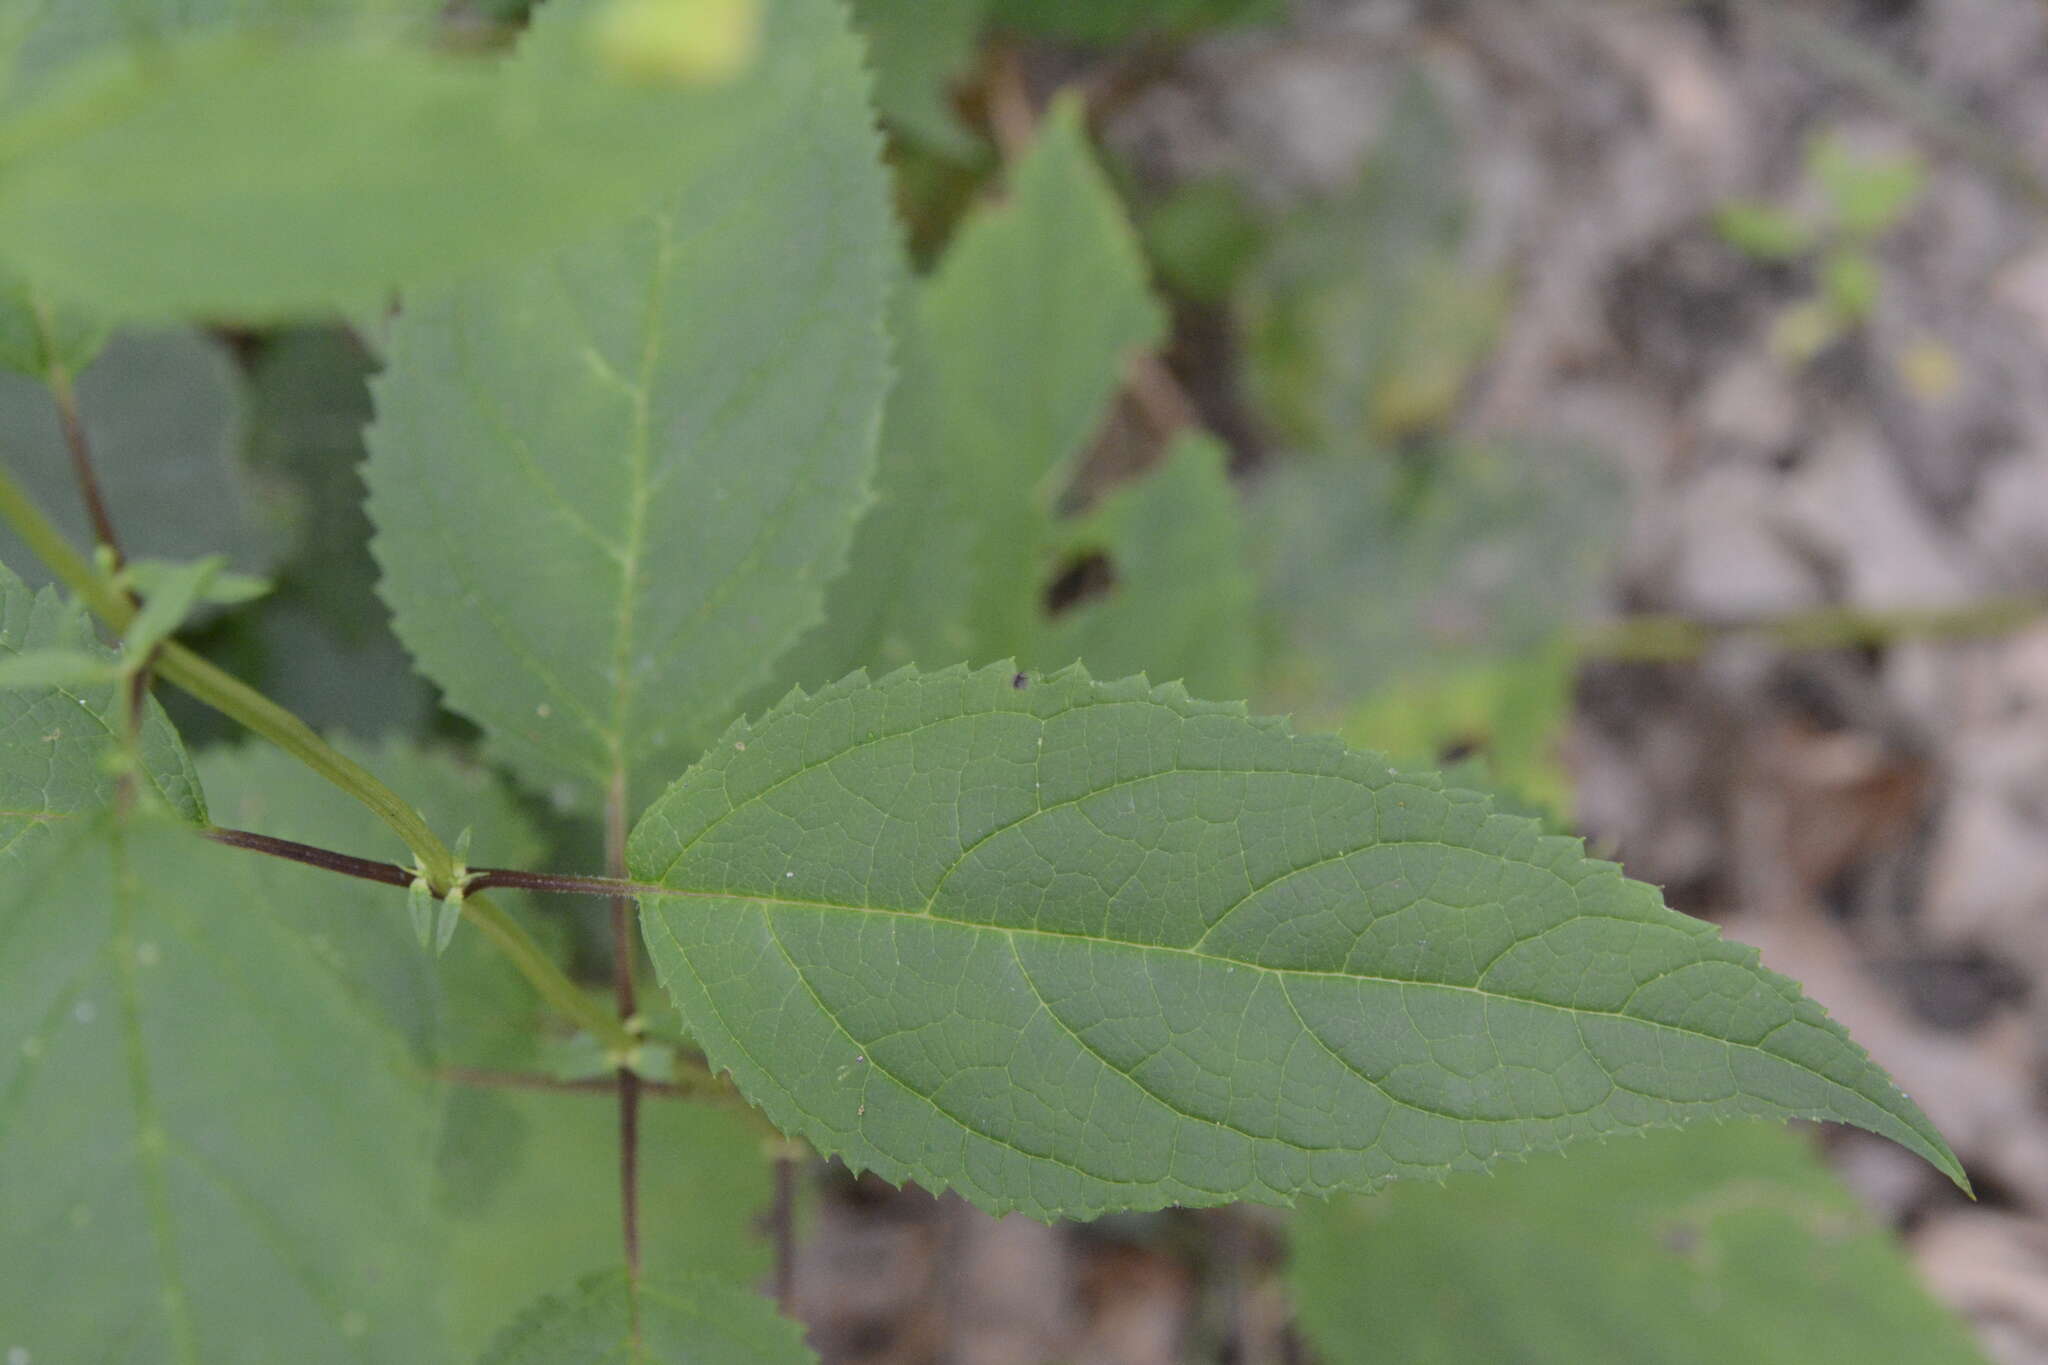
[
  {"x": 632, "y": 559},
  {"x": 1284, "y": 973}
]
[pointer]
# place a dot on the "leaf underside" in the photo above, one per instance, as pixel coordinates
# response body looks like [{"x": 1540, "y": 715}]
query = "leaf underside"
[
  {"x": 667, "y": 430},
  {"x": 1072, "y": 946}
]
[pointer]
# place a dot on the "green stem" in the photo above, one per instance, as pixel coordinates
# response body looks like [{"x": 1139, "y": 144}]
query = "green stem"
[
  {"x": 240, "y": 702},
  {"x": 1672, "y": 638},
  {"x": 558, "y": 990},
  {"x": 237, "y": 700}
]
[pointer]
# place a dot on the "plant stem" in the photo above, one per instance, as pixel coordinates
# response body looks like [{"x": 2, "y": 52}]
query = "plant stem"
[
  {"x": 1673, "y": 638},
  {"x": 226, "y": 694},
  {"x": 58, "y": 380},
  {"x": 392, "y": 874},
  {"x": 557, "y": 989},
  {"x": 562, "y": 883},
  {"x": 240, "y": 702},
  {"x": 622, "y": 991},
  {"x": 90, "y": 492},
  {"x": 388, "y": 874}
]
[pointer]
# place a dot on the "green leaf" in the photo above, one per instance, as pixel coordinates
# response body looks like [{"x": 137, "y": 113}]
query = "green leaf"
[
  {"x": 1851, "y": 281},
  {"x": 326, "y": 648},
  {"x": 1869, "y": 195},
  {"x": 918, "y": 49},
  {"x": 1763, "y": 230},
  {"x": 1372, "y": 573},
  {"x": 38, "y": 336},
  {"x": 1715, "y": 1244},
  {"x": 1008, "y": 356},
  {"x": 529, "y": 1180},
  {"x": 267, "y": 175},
  {"x": 41, "y": 41},
  {"x": 1180, "y": 602},
  {"x": 156, "y": 577},
  {"x": 537, "y": 1177},
  {"x": 610, "y": 486},
  {"x": 1364, "y": 321},
  {"x": 37, "y": 669},
  {"x": 1503, "y": 718},
  {"x": 174, "y": 590},
  {"x": 1204, "y": 236},
  {"x": 1071, "y": 947},
  {"x": 55, "y": 739},
  {"x": 681, "y": 1322},
  {"x": 211, "y": 1150},
  {"x": 419, "y": 905},
  {"x": 163, "y": 414}
]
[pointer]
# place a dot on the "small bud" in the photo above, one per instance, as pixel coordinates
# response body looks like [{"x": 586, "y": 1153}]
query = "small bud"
[
  {"x": 451, "y": 915},
  {"x": 420, "y": 900}
]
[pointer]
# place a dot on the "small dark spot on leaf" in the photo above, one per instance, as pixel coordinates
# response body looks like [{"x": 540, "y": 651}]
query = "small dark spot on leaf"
[
  {"x": 1021, "y": 681},
  {"x": 1681, "y": 1238}
]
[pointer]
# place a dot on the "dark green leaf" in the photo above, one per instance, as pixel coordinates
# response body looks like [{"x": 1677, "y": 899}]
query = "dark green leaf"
[{"x": 1069, "y": 947}]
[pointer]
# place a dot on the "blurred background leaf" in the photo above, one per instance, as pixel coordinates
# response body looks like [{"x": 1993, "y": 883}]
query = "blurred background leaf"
[
  {"x": 1697, "y": 1246},
  {"x": 1363, "y": 321},
  {"x": 165, "y": 414}
]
